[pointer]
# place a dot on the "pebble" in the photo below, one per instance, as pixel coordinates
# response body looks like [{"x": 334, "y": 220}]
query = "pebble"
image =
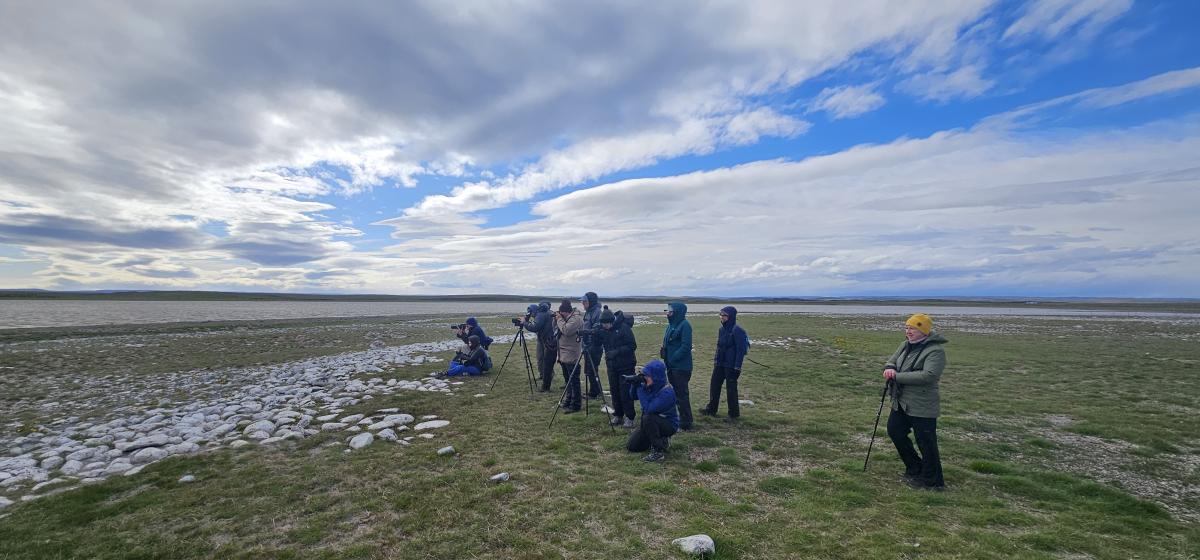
[
  {"x": 5, "y": 502},
  {"x": 432, "y": 424},
  {"x": 238, "y": 443},
  {"x": 187, "y": 478},
  {"x": 362, "y": 440},
  {"x": 448, "y": 450},
  {"x": 498, "y": 478}
]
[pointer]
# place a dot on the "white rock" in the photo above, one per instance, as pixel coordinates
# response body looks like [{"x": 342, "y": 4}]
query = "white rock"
[
  {"x": 117, "y": 467},
  {"x": 72, "y": 467},
  {"x": 5, "y": 502},
  {"x": 260, "y": 426},
  {"x": 432, "y": 424},
  {"x": 448, "y": 450},
  {"x": 135, "y": 470},
  {"x": 399, "y": 419},
  {"x": 388, "y": 410},
  {"x": 148, "y": 455},
  {"x": 387, "y": 434},
  {"x": 187, "y": 478},
  {"x": 498, "y": 478},
  {"x": 429, "y": 417},
  {"x": 183, "y": 448},
  {"x": 156, "y": 440},
  {"x": 270, "y": 440},
  {"x": 696, "y": 544},
  {"x": 746, "y": 402},
  {"x": 380, "y": 426},
  {"x": 238, "y": 443},
  {"x": 51, "y": 463},
  {"x": 352, "y": 418},
  {"x": 332, "y": 426},
  {"x": 362, "y": 440},
  {"x": 326, "y": 417},
  {"x": 477, "y": 395},
  {"x": 257, "y": 435}
]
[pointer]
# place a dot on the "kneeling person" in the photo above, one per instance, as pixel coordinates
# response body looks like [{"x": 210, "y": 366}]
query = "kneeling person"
[
  {"x": 660, "y": 420},
  {"x": 471, "y": 360}
]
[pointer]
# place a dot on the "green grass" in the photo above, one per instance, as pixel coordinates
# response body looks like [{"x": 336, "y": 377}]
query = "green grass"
[{"x": 1026, "y": 410}]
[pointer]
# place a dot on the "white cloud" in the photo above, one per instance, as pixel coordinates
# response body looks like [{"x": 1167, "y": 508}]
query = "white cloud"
[
  {"x": 1050, "y": 19},
  {"x": 848, "y": 101},
  {"x": 964, "y": 82}
]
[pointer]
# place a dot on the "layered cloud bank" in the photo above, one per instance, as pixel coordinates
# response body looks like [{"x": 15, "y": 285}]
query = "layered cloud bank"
[{"x": 736, "y": 149}]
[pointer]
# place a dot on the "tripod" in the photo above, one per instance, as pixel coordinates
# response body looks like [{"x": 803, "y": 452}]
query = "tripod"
[
  {"x": 574, "y": 375},
  {"x": 886, "y": 387},
  {"x": 520, "y": 336}
]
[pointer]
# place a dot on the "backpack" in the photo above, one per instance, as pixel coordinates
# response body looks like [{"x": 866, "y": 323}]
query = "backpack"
[
  {"x": 620, "y": 317},
  {"x": 487, "y": 361}
]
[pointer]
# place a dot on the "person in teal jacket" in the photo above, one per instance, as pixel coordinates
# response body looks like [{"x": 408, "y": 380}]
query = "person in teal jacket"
[{"x": 677, "y": 354}]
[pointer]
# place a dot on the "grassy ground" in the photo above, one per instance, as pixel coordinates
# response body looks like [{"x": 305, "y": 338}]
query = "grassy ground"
[{"x": 1060, "y": 439}]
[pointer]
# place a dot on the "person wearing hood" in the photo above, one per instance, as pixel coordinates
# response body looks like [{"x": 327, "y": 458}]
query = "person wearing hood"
[
  {"x": 567, "y": 323},
  {"x": 677, "y": 354},
  {"x": 732, "y": 345},
  {"x": 912, "y": 375},
  {"x": 619, "y": 354},
  {"x": 659, "y": 419},
  {"x": 470, "y": 328},
  {"x": 471, "y": 359},
  {"x": 539, "y": 321},
  {"x": 591, "y": 342}
]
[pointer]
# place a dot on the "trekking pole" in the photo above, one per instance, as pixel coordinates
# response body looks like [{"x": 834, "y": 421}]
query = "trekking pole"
[
  {"x": 757, "y": 364},
  {"x": 878, "y": 415}
]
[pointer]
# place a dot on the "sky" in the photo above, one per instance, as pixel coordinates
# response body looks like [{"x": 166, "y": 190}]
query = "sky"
[{"x": 823, "y": 148}]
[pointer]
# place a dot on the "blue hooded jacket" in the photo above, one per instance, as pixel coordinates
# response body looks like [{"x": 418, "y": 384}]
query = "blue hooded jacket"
[
  {"x": 732, "y": 342},
  {"x": 677, "y": 339},
  {"x": 659, "y": 397}
]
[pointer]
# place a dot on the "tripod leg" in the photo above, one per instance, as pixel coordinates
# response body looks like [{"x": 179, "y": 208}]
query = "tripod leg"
[
  {"x": 506, "y": 355},
  {"x": 558, "y": 405},
  {"x": 528, "y": 365},
  {"x": 603, "y": 399}
]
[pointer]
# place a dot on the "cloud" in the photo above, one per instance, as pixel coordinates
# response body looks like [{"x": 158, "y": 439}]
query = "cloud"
[
  {"x": 25, "y": 228},
  {"x": 964, "y": 82},
  {"x": 1050, "y": 19},
  {"x": 848, "y": 101}
]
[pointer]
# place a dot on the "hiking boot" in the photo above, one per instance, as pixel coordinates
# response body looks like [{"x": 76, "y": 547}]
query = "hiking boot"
[
  {"x": 655, "y": 457},
  {"x": 706, "y": 412},
  {"x": 544, "y": 390},
  {"x": 572, "y": 410},
  {"x": 628, "y": 423},
  {"x": 731, "y": 420},
  {"x": 614, "y": 421}
]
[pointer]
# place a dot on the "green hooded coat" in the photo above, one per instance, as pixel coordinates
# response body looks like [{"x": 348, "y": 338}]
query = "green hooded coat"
[
  {"x": 918, "y": 369},
  {"x": 677, "y": 339}
]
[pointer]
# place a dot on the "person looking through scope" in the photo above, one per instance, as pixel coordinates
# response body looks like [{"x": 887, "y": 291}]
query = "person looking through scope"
[
  {"x": 566, "y": 328},
  {"x": 660, "y": 421},
  {"x": 591, "y": 343},
  {"x": 539, "y": 322},
  {"x": 469, "y": 328},
  {"x": 471, "y": 359}
]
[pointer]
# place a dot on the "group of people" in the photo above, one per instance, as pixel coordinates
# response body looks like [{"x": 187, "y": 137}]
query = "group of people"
[{"x": 576, "y": 342}]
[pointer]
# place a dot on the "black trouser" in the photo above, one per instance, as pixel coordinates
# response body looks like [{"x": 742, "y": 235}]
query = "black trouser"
[
  {"x": 927, "y": 467},
  {"x": 591, "y": 364},
  {"x": 729, "y": 377},
  {"x": 573, "y": 399},
  {"x": 547, "y": 355},
  {"x": 654, "y": 433},
  {"x": 679, "y": 379},
  {"x": 618, "y": 389}
]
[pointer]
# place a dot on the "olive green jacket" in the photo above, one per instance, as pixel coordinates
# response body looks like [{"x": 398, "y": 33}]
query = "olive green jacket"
[{"x": 918, "y": 369}]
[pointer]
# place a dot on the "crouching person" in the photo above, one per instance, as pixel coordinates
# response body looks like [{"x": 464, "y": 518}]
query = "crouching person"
[
  {"x": 470, "y": 360},
  {"x": 660, "y": 420}
]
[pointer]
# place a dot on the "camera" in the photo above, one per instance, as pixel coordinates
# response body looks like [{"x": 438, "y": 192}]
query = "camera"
[
  {"x": 516, "y": 322},
  {"x": 458, "y": 327},
  {"x": 634, "y": 379}
]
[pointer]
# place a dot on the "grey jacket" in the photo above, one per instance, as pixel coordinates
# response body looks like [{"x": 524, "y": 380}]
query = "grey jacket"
[{"x": 918, "y": 369}]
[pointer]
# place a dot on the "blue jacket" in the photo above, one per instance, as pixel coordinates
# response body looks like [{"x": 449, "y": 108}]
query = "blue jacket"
[
  {"x": 591, "y": 322},
  {"x": 659, "y": 397},
  {"x": 677, "y": 339},
  {"x": 543, "y": 326},
  {"x": 732, "y": 342}
]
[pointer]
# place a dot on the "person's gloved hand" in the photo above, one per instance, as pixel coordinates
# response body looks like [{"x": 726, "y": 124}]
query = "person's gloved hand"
[{"x": 889, "y": 373}]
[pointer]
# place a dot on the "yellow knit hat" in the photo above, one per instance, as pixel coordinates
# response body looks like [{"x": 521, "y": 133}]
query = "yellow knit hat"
[{"x": 921, "y": 322}]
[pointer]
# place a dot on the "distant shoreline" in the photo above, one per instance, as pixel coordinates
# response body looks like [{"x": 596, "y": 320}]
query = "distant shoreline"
[{"x": 1148, "y": 304}]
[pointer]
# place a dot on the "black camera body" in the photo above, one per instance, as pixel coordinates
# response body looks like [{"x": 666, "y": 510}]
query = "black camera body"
[
  {"x": 634, "y": 379},
  {"x": 458, "y": 327},
  {"x": 516, "y": 322}
]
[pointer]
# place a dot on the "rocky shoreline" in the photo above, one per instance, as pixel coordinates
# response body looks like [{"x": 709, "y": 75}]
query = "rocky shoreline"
[{"x": 232, "y": 407}]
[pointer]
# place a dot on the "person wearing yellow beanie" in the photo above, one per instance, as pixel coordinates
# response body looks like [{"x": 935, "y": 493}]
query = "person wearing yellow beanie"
[{"x": 912, "y": 374}]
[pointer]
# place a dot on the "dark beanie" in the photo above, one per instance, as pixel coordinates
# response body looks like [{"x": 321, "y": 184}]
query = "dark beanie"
[
  {"x": 471, "y": 321},
  {"x": 566, "y": 306},
  {"x": 607, "y": 316}
]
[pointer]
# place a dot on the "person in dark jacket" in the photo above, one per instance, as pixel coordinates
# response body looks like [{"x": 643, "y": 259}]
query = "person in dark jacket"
[
  {"x": 542, "y": 325},
  {"x": 591, "y": 343},
  {"x": 913, "y": 373},
  {"x": 472, "y": 360},
  {"x": 732, "y": 345},
  {"x": 471, "y": 328},
  {"x": 659, "y": 419},
  {"x": 619, "y": 347},
  {"x": 677, "y": 354}
]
